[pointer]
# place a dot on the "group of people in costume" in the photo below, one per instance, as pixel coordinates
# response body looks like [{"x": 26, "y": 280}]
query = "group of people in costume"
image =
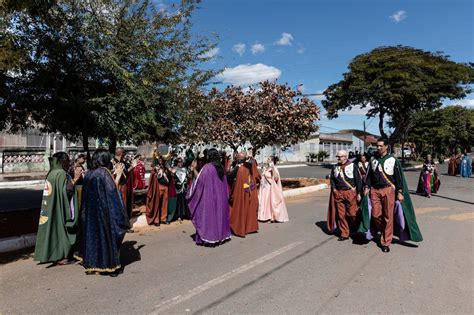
[
  {"x": 85, "y": 213},
  {"x": 221, "y": 196},
  {"x": 369, "y": 199},
  {"x": 461, "y": 164}
]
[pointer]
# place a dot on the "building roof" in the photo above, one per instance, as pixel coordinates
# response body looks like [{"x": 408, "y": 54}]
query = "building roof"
[{"x": 332, "y": 138}]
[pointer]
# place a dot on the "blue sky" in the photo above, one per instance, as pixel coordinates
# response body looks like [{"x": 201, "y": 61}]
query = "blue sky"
[{"x": 311, "y": 42}]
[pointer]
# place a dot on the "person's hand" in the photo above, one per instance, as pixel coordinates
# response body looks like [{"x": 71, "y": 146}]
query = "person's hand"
[
  {"x": 359, "y": 198},
  {"x": 77, "y": 173},
  {"x": 119, "y": 169},
  {"x": 400, "y": 197},
  {"x": 134, "y": 163},
  {"x": 366, "y": 191},
  {"x": 173, "y": 170}
]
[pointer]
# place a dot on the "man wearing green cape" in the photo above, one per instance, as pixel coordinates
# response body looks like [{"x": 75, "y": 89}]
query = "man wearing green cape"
[
  {"x": 58, "y": 216},
  {"x": 388, "y": 204}
]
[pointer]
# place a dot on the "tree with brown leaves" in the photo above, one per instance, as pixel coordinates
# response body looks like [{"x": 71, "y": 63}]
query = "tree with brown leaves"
[{"x": 269, "y": 114}]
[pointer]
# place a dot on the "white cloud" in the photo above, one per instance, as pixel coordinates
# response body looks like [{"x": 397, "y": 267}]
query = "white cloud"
[
  {"x": 357, "y": 110},
  {"x": 285, "y": 39},
  {"x": 257, "y": 48},
  {"x": 398, "y": 16},
  {"x": 239, "y": 48},
  {"x": 249, "y": 74},
  {"x": 301, "y": 50},
  {"x": 467, "y": 102},
  {"x": 211, "y": 53}
]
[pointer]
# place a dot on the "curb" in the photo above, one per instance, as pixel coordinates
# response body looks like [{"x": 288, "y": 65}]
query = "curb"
[
  {"x": 14, "y": 184},
  {"x": 19, "y": 242},
  {"x": 29, "y": 240},
  {"x": 140, "y": 221}
]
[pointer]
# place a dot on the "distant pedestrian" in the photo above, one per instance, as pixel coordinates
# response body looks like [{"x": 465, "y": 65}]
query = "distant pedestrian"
[
  {"x": 103, "y": 221},
  {"x": 465, "y": 168},
  {"x": 272, "y": 205},
  {"x": 208, "y": 202},
  {"x": 57, "y": 227},
  {"x": 452, "y": 165},
  {"x": 428, "y": 183}
]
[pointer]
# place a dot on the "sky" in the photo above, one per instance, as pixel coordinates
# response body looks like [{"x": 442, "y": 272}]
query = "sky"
[{"x": 311, "y": 42}]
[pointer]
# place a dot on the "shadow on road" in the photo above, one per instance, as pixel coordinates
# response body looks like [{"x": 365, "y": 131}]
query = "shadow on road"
[
  {"x": 17, "y": 255},
  {"x": 129, "y": 253},
  {"x": 413, "y": 192},
  {"x": 323, "y": 226}
]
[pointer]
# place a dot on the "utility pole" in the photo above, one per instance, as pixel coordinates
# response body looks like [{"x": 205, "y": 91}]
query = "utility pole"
[{"x": 365, "y": 136}]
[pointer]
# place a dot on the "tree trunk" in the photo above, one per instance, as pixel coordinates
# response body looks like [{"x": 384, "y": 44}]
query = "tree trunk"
[
  {"x": 382, "y": 132},
  {"x": 85, "y": 146},
  {"x": 112, "y": 144}
]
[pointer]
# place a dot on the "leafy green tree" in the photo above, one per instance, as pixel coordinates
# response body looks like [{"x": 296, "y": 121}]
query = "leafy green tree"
[
  {"x": 395, "y": 82},
  {"x": 442, "y": 131},
  {"x": 107, "y": 68}
]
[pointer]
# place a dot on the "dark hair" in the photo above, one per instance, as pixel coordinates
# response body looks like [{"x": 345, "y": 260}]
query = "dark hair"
[
  {"x": 384, "y": 140},
  {"x": 101, "y": 158},
  {"x": 215, "y": 159},
  {"x": 62, "y": 158}
]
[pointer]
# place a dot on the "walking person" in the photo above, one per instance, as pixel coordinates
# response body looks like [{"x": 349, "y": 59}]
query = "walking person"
[
  {"x": 428, "y": 183},
  {"x": 346, "y": 189},
  {"x": 391, "y": 208}
]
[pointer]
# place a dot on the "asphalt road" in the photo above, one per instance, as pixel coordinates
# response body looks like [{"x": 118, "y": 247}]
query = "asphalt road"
[
  {"x": 290, "y": 268},
  {"x": 30, "y": 197}
]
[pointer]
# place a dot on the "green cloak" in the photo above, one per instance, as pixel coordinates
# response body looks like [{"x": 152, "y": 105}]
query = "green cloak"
[
  {"x": 411, "y": 231},
  {"x": 57, "y": 225}
]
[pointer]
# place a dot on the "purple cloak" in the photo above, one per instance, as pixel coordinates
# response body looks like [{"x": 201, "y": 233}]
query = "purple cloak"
[{"x": 208, "y": 201}]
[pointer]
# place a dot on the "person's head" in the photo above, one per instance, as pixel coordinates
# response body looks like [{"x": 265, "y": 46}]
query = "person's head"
[
  {"x": 119, "y": 153},
  {"x": 429, "y": 158},
  {"x": 179, "y": 162},
  {"x": 351, "y": 155},
  {"x": 63, "y": 159},
  {"x": 215, "y": 158},
  {"x": 206, "y": 153},
  {"x": 363, "y": 158},
  {"x": 341, "y": 157},
  {"x": 80, "y": 158},
  {"x": 241, "y": 156},
  {"x": 382, "y": 146},
  {"x": 161, "y": 161},
  {"x": 101, "y": 158}
]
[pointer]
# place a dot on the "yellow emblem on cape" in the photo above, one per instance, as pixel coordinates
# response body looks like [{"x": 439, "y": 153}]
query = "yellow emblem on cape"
[
  {"x": 43, "y": 219},
  {"x": 48, "y": 188}
]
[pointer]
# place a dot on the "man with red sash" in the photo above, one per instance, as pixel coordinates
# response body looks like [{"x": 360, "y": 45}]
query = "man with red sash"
[
  {"x": 389, "y": 201},
  {"x": 346, "y": 189}
]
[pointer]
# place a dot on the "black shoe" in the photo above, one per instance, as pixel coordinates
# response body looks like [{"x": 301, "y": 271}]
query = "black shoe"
[
  {"x": 340, "y": 239},
  {"x": 385, "y": 249}
]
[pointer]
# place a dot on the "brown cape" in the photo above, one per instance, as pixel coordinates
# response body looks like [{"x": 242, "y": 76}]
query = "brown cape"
[
  {"x": 244, "y": 203},
  {"x": 331, "y": 222},
  {"x": 153, "y": 201}
]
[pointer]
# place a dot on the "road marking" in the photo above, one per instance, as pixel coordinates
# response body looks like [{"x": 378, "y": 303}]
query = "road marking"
[
  {"x": 460, "y": 217},
  {"x": 212, "y": 283}
]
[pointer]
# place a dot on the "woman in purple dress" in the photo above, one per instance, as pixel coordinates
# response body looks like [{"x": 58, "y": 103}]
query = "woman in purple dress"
[{"x": 208, "y": 201}]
